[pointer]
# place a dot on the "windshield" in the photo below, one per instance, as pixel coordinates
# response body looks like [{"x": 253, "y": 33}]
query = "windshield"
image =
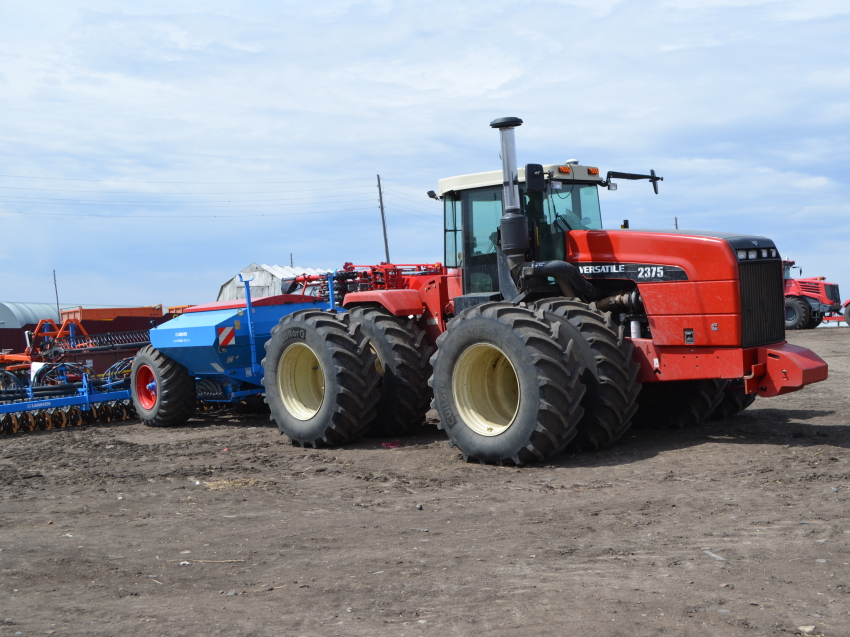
[{"x": 565, "y": 203}]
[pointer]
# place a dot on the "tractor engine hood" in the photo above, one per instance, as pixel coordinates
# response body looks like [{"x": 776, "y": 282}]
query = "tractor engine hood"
[{"x": 684, "y": 256}]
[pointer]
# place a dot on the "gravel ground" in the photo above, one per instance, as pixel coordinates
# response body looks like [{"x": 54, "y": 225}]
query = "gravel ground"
[{"x": 220, "y": 527}]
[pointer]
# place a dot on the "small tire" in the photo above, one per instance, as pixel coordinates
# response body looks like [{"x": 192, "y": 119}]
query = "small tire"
[
  {"x": 403, "y": 362},
  {"x": 610, "y": 374},
  {"x": 10, "y": 424},
  {"x": 678, "y": 404},
  {"x": 506, "y": 389},
  {"x": 163, "y": 390},
  {"x": 734, "y": 402},
  {"x": 797, "y": 313},
  {"x": 27, "y": 421},
  {"x": 320, "y": 378},
  {"x": 75, "y": 417}
]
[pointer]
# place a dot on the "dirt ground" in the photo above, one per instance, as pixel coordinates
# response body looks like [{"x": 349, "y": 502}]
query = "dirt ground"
[{"x": 738, "y": 527}]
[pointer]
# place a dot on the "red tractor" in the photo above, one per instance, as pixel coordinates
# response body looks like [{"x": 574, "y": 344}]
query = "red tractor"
[
  {"x": 811, "y": 301},
  {"x": 540, "y": 331}
]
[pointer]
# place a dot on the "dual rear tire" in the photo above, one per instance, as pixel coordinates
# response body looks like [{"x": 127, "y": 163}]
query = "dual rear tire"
[
  {"x": 320, "y": 377},
  {"x": 507, "y": 389}
]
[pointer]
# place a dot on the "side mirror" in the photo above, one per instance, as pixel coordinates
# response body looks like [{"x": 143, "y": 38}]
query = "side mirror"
[
  {"x": 612, "y": 186},
  {"x": 535, "y": 180},
  {"x": 433, "y": 195}
]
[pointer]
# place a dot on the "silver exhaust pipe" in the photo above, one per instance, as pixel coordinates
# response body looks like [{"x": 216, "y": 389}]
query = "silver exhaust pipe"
[{"x": 514, "y": 225}]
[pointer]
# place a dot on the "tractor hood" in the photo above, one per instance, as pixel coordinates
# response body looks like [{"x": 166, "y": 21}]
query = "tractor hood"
[{"x": 690, "y": 256}]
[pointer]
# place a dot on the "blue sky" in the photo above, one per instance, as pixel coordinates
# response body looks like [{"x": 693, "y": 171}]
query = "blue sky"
[{"x": 148, "y": 151}]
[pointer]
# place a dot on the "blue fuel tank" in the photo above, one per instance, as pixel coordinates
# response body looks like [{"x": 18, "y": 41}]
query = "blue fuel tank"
[{"x": 213, "y": 340}]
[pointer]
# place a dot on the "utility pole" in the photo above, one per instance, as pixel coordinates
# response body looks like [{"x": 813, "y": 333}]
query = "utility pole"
[
  {"x": 291, "y": 264},
  {"x": 676, "y": 222},
  {"x": 56, "y": 289},
  {"x": 383, "y": 220}
]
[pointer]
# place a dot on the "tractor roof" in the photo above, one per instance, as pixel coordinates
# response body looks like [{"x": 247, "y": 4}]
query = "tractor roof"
[{"x": 494, "y": 177}]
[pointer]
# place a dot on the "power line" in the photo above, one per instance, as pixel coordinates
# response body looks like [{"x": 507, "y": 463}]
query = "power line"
[
  {"x": 436, "y": 215},
  {"x": 195, "y": 183},
  {"x": 75, "y": 215},
  {"x": 423, "y": 202},
  {"x": 431, "y": 219},
  {"x": 177, "y": 205},
  {"x": 419, "y": 188},
  {"x": 231, "y": 192}
]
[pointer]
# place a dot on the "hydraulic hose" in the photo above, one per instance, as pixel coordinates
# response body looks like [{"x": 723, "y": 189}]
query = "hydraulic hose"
[{"x": 565, "y": 273}]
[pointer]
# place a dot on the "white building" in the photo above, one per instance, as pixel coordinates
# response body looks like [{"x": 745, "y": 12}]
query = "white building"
[{"x": 269, "y": 280}]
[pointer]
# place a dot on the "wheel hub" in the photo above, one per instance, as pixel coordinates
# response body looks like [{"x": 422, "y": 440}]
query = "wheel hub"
[
  {"x": 486, "y": 389},
  {"x": 146, "y": 386},
  {"x": 301, "y": 381}
]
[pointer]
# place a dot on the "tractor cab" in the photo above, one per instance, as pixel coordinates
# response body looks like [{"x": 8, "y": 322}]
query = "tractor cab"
[{"x": 569, "y": 200}]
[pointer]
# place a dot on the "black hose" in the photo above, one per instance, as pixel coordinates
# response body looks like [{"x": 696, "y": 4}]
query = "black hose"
[{"x": 567, "y": 272}]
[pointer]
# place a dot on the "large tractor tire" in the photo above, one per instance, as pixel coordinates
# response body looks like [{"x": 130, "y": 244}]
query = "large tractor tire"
[
  {"x": 320, "y": 378},
  {"x": 403, "y": 364},
  {"x": 734, "y": 402},
  {"x": 847, "y": 315},
  {"x": 678, "y": 404},
  {"x": 798, "y": 313},
  {"x": 506, "y": 389},
  {"x": 610, "y": 374},
  {"x": 163, "y": 390}
]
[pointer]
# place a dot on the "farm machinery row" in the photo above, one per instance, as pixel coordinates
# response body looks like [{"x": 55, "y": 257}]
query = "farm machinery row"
[
  {"x": 47, "y": 387},
  {"x": 539, "y": 331}
]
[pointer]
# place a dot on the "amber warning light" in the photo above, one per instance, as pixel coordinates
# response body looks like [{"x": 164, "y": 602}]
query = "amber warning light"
[
  {"x": 592, "y": 171},
  {"x": 565, "y": 170}
]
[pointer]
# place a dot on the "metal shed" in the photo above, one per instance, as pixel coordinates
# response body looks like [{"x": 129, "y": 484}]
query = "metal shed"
[
  {"x": 267, "y": 280},
  {"x": 16, "y": 315}
]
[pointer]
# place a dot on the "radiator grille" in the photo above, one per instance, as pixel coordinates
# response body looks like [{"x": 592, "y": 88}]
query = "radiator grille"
[
  {"x": 832, "y": 293},
  {"x": 762, "y": 303}
]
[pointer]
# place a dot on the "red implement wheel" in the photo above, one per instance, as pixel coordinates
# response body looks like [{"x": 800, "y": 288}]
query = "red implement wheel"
[
  {"x": 163, "y": 390},
  {"x": 146, "y": 386}
]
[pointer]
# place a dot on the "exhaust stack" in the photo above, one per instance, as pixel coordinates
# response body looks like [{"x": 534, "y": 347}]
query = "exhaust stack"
[{"x": 514, "y": 226}]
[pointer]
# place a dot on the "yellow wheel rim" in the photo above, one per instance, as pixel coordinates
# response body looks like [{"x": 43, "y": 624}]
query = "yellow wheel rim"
[
  {"x": 301, "y": 381},
  {"x": 379, "y": 364},
  {"x": 486, "y": 389}
]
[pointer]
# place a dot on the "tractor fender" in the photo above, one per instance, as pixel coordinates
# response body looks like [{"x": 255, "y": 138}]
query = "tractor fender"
[{"x": 397, "y": 302}]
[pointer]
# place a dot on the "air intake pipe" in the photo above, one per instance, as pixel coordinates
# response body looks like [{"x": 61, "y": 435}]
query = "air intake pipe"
[{"x": 513, "y": 226}]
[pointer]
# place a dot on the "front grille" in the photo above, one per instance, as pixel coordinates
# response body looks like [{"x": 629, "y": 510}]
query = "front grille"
[
  {"x": 811, "y": 288},
  {"x": 832, "y": 293},
  {"x": 762, "y": 303}
]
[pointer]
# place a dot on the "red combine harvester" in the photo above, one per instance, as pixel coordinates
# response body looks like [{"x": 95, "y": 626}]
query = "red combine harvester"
[
  {"x": 811, "y": 301},
  {"x": 541, "y": 330}
]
